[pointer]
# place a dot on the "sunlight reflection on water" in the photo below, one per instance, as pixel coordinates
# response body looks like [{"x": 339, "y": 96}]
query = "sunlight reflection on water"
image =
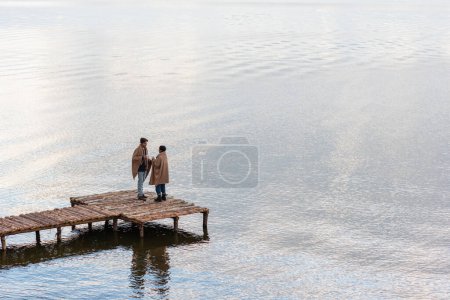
[{"x": 347, "y": 104}]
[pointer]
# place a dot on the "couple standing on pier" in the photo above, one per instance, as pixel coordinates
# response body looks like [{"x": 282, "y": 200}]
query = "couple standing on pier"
[{"x": 142, "y": 165}]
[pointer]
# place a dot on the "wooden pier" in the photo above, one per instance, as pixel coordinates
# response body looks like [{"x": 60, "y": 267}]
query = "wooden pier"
[{"x": 121, "y": 205}]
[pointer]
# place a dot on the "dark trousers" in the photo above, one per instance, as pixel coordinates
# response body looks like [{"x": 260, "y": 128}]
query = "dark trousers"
[{"x": 160, "y": 188}]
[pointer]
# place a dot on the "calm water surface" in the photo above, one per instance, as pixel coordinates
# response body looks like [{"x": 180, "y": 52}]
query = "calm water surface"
[{"x": 346, "y": 102}]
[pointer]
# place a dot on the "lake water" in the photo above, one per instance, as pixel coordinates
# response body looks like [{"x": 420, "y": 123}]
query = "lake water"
[{"x": 346, "y": 104}]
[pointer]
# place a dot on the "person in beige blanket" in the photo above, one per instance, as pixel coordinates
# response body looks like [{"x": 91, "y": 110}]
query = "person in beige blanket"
[
  {"x": 160, "y": 174},
  {"x": 140, "y": 166}
]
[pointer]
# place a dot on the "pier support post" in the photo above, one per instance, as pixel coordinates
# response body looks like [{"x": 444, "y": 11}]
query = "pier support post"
[
  {"x": 175, "y": 223},
  {"x": 3, "y": 243},
  {"x": 205, "y": 220},
  {"x": 58, "y": 234},
  {"x": 176, "y": 238},
  {"x": 106, "y": 224},
  {"x": 141, "y": 230},
  {"x": 38, "y": 237},
  {"x": 90, "y": 226},
  {"x": 73, "y": 226},
  {"x": 115, "y": 224}
]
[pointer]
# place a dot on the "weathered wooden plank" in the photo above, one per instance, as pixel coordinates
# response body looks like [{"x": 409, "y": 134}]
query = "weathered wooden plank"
[
  {"x": 13, "y": 228},
  {"x": 9, "y": 222},
  {"x": 165, "y": 203},
  {"x": 85, "y": 211},
  {"x": 93, "y": 201},
  {"x": 90, "y": 196},
  {"x": 115, "y": 204},
  {"x": 4, "y": 229},
  {"x": 26, "y": 222},
  {"x": 73, "y": 211},
  {"x": 52, "y": 225},
  {"x": 14, "y": 223},
  {"x": 68, "y": 216},
  {"x": 50, "y": 214},
  {"x": 121, "y": 208},
  {"x": 83, "y": 214},
  {"x": 38, "y": 219},
  {"x": 140, "y": 215},
  {"x": 110, "y": 200},
  {"x": 115, "y": 208},
  {"x": 93, "y": 214},
  {"x": 107, "y": 197},
  {"x": 164, "y": 215},
  {"x": 102, "y": 211},
  {"x": 68, "y": 211},
  {"x": 37, "y": 227},
  {"x": 6, "y": 225},
  {"x": 3, "y": 218},
  {"x": 92, "y": 209},
  {"x": 100, "y": 208},
  {"x": 153, "y": 206},
  {"x": 103, "y": 197},
  {"x": 46, "y": 216},
  {"x": 16, "y": 226},
  {"x": 158, "y": 210},
  {"x": 56, "y": 214}
]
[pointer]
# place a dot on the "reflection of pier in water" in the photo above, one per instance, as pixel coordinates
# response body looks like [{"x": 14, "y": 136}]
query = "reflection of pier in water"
[{"x": 149, "y": 256}]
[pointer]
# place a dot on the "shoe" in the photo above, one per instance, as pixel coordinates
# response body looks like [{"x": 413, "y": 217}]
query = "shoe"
[
  {"x": 158, "y": 199},
  {"x": 142, "y": 198},
  {"x": 163, "y": 198}
]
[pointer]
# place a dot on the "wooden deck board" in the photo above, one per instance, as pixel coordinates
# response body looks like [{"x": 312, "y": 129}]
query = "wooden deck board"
[
  {"x": 165, "y": 214},
  {"x": 91, "y": 211},
  {"x": 50, "y": 217},
  {"x": 11, "y": 226},
  {"x": 158, "y": 210},
  {"x": 38, "y": 219},
  {"x": 69, "y": 216},
  {"x": 100, "y": 210},
  {"x": 13, "y": 222},
  {"x": 4, "y": 228},
  {"x": 26, "y": 222}
]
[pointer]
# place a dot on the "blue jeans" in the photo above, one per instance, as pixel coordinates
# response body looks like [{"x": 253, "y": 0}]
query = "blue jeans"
[
  {"x": 160, "y": 188},
  {"x": 141, "y": 178}
]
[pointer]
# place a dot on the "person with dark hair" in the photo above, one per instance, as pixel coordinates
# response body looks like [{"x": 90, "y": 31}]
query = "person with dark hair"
[
  {"x": 140, "y": 166},
  {"x": 160, "y": 174}
]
